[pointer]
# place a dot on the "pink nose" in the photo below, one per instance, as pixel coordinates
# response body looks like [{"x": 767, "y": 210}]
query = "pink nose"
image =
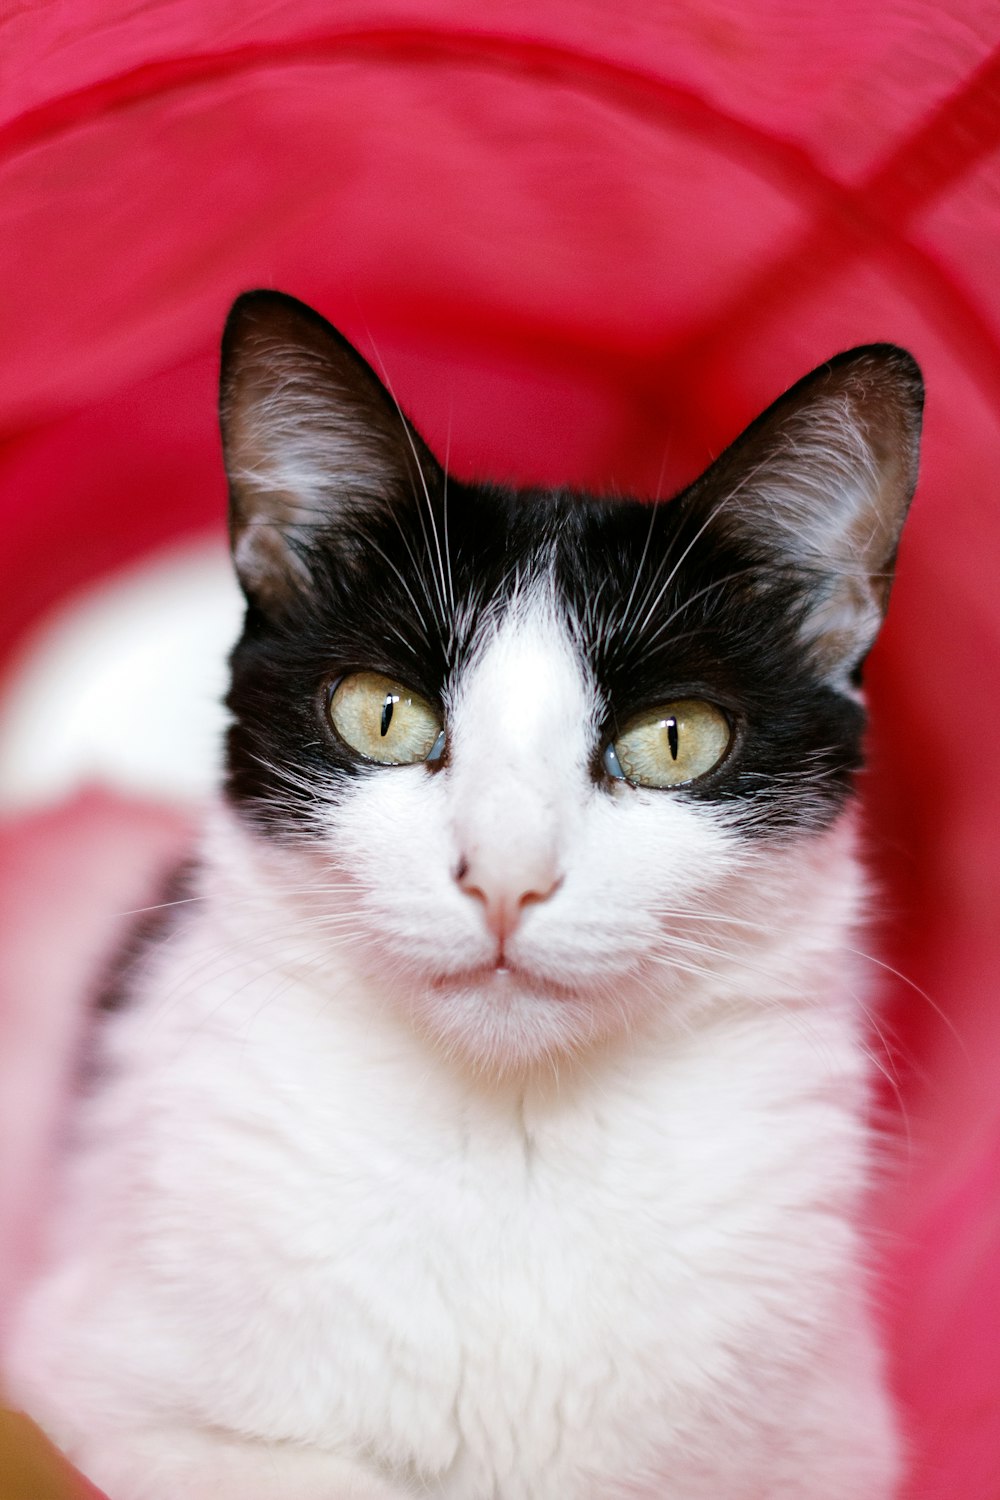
[{"x": 505, "y": 898}]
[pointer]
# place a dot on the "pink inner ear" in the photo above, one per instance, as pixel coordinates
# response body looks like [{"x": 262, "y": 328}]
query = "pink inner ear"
[{"x": 588, "y": 247}]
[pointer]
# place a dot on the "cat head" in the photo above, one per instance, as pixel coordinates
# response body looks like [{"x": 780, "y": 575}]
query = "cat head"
[{"x": 541, "y": 765}]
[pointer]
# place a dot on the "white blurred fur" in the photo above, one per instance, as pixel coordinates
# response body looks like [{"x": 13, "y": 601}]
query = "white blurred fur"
[
  {"x": 354, "y": 1214},
  {"x": 123, "y": 685}
]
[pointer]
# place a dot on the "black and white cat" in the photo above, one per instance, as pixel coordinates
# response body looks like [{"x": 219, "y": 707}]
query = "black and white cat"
[{"x": 491, "y": 1125}]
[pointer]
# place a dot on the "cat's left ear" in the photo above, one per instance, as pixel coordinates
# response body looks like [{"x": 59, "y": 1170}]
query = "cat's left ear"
[
  {"x": 818, "y": 488},
  {"x": 311, "y": 440}
]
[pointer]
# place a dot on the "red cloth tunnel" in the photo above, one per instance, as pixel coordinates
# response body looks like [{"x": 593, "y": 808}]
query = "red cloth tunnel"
[{"x": 588, "y": 240}]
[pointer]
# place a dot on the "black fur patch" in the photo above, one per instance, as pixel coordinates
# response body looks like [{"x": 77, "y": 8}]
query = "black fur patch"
[
  {"x": 117, "y": 980},
  {"x": 665, "y": 602},
  {"x": 147, "y": 929}
]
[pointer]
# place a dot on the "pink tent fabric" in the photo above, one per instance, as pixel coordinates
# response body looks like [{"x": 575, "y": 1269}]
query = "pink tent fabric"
[{"x": 588, "y": 239}]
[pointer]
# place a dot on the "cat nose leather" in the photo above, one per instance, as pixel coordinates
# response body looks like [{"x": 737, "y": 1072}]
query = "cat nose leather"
[{"x": 505, "y": 897}]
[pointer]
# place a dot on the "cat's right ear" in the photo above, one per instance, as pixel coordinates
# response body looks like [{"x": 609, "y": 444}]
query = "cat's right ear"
[{"x": 311, "y": 439}]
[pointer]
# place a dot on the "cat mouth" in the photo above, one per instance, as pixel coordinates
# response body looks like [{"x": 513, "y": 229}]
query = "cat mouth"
[{"x": 502, "y": 978}]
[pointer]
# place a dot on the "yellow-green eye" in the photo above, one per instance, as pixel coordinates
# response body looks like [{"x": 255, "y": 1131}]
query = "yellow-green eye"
[
  {"x": 385, "y": 721},
  {"x": 670, "y": 745}
]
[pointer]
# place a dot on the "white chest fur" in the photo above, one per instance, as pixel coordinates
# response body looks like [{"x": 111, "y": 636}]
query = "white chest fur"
[{"x": 303, "y": 1227}]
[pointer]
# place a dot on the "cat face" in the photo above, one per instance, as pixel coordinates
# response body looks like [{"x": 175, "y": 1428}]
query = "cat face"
[{"x": 549, "y": 766}]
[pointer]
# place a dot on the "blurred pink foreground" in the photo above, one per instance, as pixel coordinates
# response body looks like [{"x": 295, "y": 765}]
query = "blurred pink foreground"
[{"x": 588, "y": 240}]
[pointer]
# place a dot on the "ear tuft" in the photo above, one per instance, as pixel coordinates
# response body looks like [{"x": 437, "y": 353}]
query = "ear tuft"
[
  {"x": 819, "y": 487},
  {"x": 310, "y": 436}
]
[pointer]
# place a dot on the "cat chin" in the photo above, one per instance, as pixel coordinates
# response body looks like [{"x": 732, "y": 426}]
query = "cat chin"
[
  {"x": 503, "y": 983},
  {"x": 504, "y": 1020}
]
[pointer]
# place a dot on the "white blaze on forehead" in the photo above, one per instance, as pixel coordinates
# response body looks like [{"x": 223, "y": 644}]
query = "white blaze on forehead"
[{"x": 521, "y": 734}]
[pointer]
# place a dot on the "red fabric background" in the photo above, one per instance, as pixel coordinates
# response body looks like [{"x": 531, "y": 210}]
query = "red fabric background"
[{"x": 588, "y": 239}]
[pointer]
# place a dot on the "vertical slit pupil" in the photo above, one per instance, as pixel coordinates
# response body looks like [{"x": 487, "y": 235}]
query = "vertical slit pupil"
[
  {"x": 387, "y": 707},
  {"x": 672, "y": 737}
]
